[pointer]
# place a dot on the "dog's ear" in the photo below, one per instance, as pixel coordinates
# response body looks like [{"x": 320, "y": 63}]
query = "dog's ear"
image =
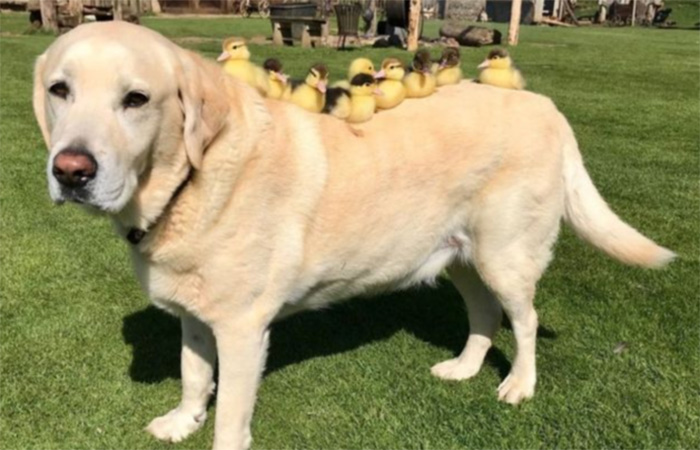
[
  {"x": 39, "y": 99},
  {"x": 204, "y": 104}
]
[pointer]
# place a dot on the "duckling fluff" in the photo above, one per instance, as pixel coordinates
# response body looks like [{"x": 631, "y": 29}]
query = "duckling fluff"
[
  {"x": 235, "y": 56},
  {"x": 448, "y": 70},
  {"x": 277, "y": 80},
  {"x": 420, "y": 82},
  {"x": 392, "y": 86},
  {"x": 497, "y": 70},
  {"x": 310, "y": 94}
]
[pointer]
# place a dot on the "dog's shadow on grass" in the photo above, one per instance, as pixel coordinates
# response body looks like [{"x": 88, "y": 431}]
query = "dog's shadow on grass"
[{"x": 434, "y": 315}]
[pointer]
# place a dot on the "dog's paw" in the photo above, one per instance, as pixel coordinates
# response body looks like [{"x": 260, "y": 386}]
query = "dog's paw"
[
  {"x": 176, "y": 425},
  {"x": 454, "y": 369},
  {"x": 515, "y": 389}
]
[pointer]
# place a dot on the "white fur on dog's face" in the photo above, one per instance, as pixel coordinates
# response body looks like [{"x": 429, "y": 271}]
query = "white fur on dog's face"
[{"x": 103, "y": 112}]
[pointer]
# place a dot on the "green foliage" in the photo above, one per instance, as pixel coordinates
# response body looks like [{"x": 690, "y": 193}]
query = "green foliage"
[{"x": 85, "y": 363}]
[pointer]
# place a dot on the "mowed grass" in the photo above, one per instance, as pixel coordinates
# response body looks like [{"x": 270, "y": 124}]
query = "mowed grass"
[{"x": 86, "y": 363}]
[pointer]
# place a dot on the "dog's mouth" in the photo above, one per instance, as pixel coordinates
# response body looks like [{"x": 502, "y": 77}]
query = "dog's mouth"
[{"x": 80, "y": 196}]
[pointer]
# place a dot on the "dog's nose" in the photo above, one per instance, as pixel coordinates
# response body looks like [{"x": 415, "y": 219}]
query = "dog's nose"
[{"x": 74, "y": 168}]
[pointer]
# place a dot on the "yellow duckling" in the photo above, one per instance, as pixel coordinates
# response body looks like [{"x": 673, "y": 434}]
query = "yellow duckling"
[
  {"x": 392, "y": 86},
  {"x": 277, "y": 80},
  {"x": 498, "y": 70},
  {"x": 236, "y": 59},
  {"x": 363, "y": 65},
  {"x": 357, "y": 104},
  {"x": 420, "y": 82},
  {"x": 358, "y": 66},
  {"x": 310, "y": 94},
  {"x": 448, "y": 70}
]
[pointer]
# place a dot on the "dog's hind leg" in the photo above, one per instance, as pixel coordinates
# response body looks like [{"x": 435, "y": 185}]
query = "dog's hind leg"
[
  {"x": 197, "y": 370},
  {"x": 484, "y": 313},
  {"x": 511, "y": 268},
  {"x": 516, "y": 297}
]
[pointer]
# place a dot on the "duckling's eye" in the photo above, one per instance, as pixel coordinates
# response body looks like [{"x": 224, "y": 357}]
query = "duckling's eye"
[
  {"x": 60, "y": 90},
  {"x": 134, "y": 99},
  {"x": 496, "y": 57}
]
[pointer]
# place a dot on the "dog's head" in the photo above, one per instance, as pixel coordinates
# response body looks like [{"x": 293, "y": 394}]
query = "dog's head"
[{"x": 113, "y": 100}]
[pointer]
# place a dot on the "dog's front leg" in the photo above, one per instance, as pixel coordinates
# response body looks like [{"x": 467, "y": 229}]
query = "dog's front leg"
[
  {"x": 197, "y": 370},
  {"x": 242, "y": 348}
]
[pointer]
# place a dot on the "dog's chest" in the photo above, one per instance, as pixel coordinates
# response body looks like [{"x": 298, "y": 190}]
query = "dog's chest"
[{"x": 168, "y": 287}]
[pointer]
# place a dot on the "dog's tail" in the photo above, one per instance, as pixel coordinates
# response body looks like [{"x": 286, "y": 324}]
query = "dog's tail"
[{"x": 595, "y": 222}]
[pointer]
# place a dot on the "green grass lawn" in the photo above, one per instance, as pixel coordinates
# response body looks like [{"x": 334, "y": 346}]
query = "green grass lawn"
[{"x": 86, "y": 363}]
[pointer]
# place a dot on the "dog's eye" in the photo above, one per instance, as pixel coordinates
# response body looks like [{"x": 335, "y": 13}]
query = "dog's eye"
[
  {"x": 135, "y": 99},
  {"x": 60, "y": 90}
]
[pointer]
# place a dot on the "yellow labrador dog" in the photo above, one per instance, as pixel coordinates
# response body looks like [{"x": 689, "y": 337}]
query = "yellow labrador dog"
[{"x": 240, "y": 210}]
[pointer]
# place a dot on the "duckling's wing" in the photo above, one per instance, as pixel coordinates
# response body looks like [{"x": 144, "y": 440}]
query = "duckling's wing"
[
  {"x": 518, "y": 80},
  {"x": 336, "y": 101}
]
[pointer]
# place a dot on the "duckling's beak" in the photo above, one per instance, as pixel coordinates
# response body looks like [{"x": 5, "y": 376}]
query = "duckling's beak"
[
  {"x": 443, "y": 63},
  {"x": 380, "y": 74},
  {"x": 427, "y": 71},
  {"x": 321, "y": 86},
  {"x": 484, "y": 64},
  {"x": 223, "y": 56},
  {"x": 281, "y": 77}
]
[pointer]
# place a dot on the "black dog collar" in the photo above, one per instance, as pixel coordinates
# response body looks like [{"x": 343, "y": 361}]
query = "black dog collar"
[{"x": 136, "y": 235}]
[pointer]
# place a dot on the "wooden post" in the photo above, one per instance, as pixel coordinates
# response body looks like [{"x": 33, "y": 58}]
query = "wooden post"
[
  {"x": 135, "y": 6},
  {"x": 277, "y": 34},
  {"x": 373, "y": 24},
  {"x": 76, "y": 9},
  {"x": 117, "y": 12},
  {"x": 325, "y": 32},
  {"x": 155, "y": 7},
  {"x": 634, "y": 11},
  {"x": 602, "y": 12},
  {"x": 414, "y": 16},
  {"x": 305, "y": 37},
  {"x": 514, "y": 27},
  {"x": 539, "y": 11},
  {"x": 556, "y": 10},
  {"x": 49, "y": 20}
]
